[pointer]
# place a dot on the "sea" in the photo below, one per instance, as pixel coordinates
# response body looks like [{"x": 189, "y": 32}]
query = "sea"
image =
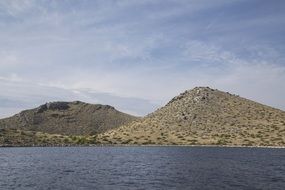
[{"x": 142, "y": 167}]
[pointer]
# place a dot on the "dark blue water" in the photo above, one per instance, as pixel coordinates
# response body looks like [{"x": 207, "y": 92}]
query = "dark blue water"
[{"x": 142, "y": 168}]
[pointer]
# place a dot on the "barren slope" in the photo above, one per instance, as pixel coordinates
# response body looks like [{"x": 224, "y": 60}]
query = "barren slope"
[
  {"x": 207, "y": 117},
  {"x": 68, "y": 118}
]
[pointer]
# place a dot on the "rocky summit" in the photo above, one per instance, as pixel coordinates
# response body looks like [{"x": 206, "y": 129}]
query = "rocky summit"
[
  {"x": 68, "y": 118},
  {"x": 204, "y": 116}
]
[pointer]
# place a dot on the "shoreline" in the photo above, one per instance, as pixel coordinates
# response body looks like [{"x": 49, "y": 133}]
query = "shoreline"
[{"x": 137, "y": 145}]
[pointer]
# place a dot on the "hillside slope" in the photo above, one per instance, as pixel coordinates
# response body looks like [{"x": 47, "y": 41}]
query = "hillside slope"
[
  {"x": 16, "y": 137},
  {"x": 68, "y": 118},
  {"x": 206, "y": 117}
]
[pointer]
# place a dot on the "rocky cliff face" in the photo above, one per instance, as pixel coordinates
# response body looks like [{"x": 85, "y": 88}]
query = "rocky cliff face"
[
  {"x": 68, "y": 118},
  {"x": 205, "y": 116}
]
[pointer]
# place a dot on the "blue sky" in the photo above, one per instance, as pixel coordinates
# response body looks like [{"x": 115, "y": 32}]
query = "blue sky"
[{"x": 136, "y": 55}]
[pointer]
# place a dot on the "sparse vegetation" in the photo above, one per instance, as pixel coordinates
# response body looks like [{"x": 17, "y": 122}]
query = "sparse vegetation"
[
  {"x": 68, "y": 118},
  {"x": 201, "y": 116},
  {"x": 207, "y": 116}
]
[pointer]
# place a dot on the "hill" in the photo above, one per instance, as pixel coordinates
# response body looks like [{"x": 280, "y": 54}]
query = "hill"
[
  {"x": 204, "y": 116},
  {"x": 68, "y": 118},
  {"x": 16, "y": 137}
]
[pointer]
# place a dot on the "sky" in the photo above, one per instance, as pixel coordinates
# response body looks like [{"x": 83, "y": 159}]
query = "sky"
[{"x": 137, "y": 55}]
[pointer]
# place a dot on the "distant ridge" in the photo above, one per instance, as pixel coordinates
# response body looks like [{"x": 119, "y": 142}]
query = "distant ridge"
[
  {"x": 204, "y": 116},
  {"x": 68, "y": 118}
]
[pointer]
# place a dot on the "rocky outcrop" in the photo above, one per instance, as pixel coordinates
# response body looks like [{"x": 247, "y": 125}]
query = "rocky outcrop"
[{"x": 53, "y": 106}]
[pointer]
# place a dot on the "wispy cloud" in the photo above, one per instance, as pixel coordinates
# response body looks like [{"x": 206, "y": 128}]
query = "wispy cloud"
[{"x": 140, "y": 52}]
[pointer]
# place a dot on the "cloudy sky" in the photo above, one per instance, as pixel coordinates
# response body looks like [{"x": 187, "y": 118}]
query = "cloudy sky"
[{"x": 136, "y": 55}]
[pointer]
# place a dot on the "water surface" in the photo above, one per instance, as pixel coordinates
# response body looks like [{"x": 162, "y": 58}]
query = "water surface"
[{"x": 142, "y": 168}]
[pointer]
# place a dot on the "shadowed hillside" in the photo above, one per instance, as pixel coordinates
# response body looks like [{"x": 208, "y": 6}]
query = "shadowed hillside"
[
  {"x": 206, "y": 117},
  {"x": 68, "y": 118}
]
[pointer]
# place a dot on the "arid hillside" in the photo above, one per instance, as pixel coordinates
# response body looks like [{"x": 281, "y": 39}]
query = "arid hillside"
[
  {"x": 68, "y": 118},
  {"x": 204, "y": 116},
  {"x": 16, "y": 137}
]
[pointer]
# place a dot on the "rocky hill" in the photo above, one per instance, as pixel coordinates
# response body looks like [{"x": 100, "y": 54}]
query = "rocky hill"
[
  {"x": 68, "y": 118},
  {"x": 204, "y": 116}
]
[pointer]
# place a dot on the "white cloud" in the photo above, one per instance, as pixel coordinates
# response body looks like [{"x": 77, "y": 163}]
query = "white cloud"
[
  {"x": 149, "y": 50},
  {"x": 11, "y": 78},
  {"x": 200, "y": 51},
  {"x": 16, "y": 7},
  {"x": 8, "y": 59}
]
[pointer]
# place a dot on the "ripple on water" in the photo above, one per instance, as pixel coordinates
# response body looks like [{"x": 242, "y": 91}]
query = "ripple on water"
[{"x": 142, "y": 168}]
